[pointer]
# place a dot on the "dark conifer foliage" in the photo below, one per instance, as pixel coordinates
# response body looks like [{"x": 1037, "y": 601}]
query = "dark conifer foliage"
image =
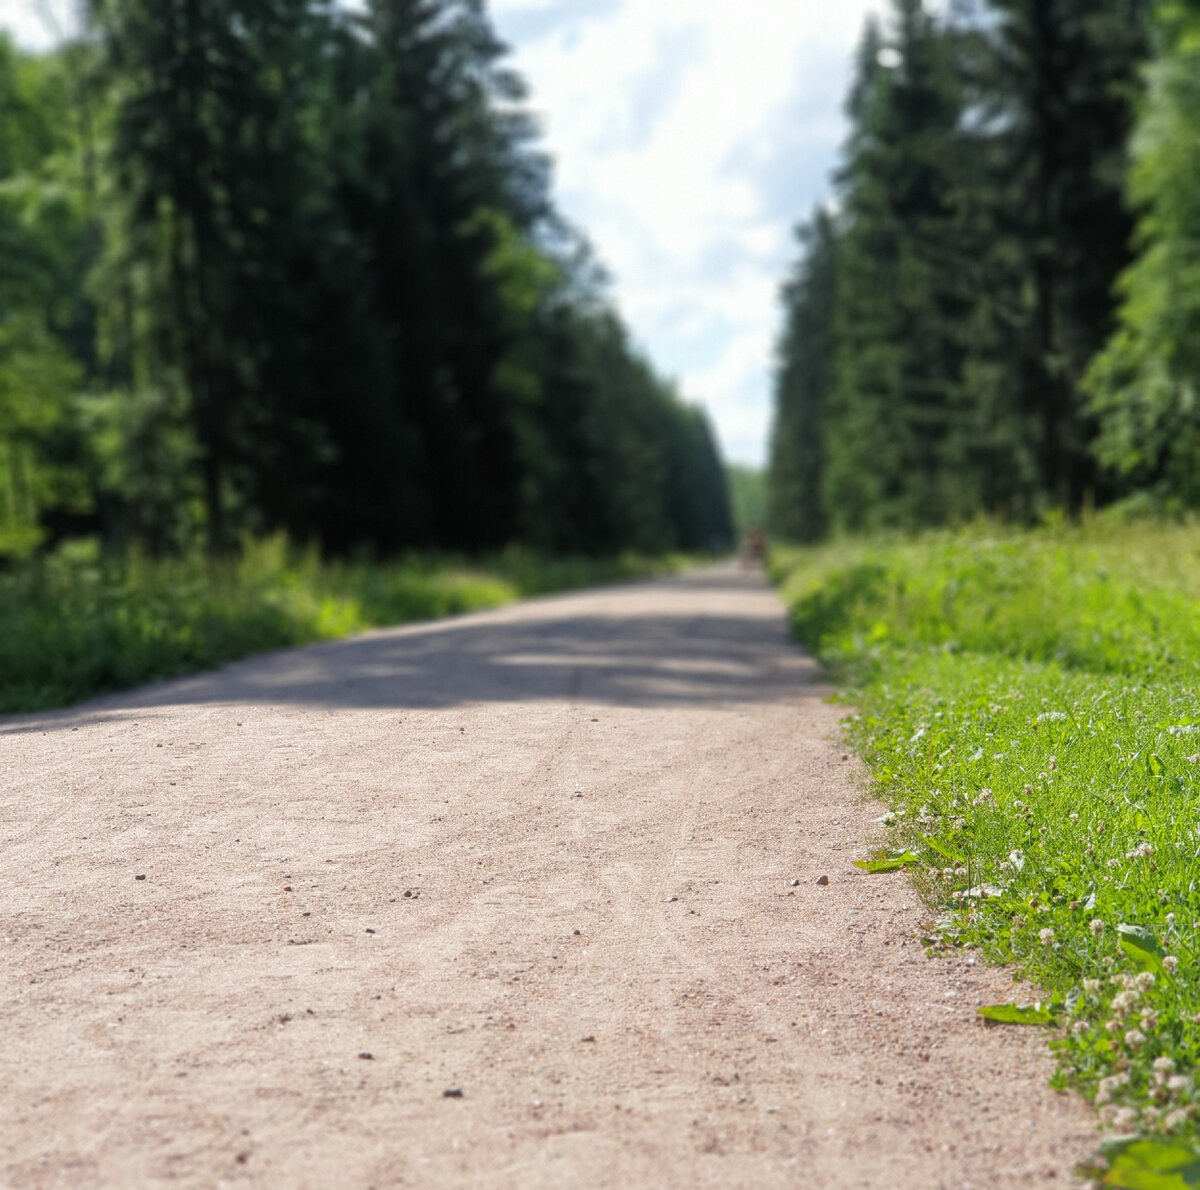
[
  {"x": 981, "y": 225},
  {"x": 318, "y": 285}
]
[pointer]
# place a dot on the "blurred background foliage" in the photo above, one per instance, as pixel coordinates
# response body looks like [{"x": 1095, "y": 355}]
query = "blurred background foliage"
[
  {"x": 998, "y": 311},
  {"x": 269, "y": 266}
]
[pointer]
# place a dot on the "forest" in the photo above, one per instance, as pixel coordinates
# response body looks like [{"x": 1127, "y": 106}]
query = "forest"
[
  {"x": 272, "y": 267},
  {"x": 997, "y": 312}
]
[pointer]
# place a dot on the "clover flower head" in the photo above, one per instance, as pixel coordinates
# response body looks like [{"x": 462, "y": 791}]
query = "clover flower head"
[
  {"x": 1170, "y": 964},
  {"x": 1145, "y": 981},
  {"x": 1096, "y": 926},
  {"x": 1164, "y": 1065},
  {"x": 1046, "y": 936},
  {"x": 1135, "y": 1039}
]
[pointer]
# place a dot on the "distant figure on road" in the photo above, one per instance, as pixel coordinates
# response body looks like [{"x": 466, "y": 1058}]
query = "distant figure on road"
[{"x": 754, "y": 548}]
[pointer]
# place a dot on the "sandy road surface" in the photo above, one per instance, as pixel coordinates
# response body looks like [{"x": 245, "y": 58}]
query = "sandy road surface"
[{"x": 598, "y": 804}]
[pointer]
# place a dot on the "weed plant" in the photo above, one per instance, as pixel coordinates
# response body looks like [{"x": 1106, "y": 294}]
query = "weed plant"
[
  {"x": 1029, "y": 707},
  {"x": 78, "y": 624}
]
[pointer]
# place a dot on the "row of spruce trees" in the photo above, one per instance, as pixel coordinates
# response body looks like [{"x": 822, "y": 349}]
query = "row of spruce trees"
[
  {"x": 999, "y": 313},
  {"x": 270, "y": 265}
]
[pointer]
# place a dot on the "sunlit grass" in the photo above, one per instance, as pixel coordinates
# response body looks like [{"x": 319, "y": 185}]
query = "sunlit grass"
[
  {"x": 1029, "y": 706},
  {"x": 78, "y": 624}
]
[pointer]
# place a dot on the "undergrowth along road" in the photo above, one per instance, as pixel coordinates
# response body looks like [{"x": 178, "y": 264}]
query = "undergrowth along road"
[
  {"x": 78, "y": 623},
  {"x": 1029, "y": 707}
]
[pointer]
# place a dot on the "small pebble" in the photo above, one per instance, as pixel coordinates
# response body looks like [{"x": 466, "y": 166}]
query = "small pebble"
[
  {"x": 139, "y": 878},
  {"x": 576, "y": 933},
  {"x": 453, "y": 1093},
  {"x": 366, "y": 1057},
  {"x": 823, "y": 881},
  {"x": 795, "y": 883},
  {"x": 670, "y": 899},
  {"x": 369, "y": 930}
]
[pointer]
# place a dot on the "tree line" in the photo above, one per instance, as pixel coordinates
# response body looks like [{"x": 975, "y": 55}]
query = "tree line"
[
  {"x": 998, "y": 312},
  {"x": 269, "y": 265}
]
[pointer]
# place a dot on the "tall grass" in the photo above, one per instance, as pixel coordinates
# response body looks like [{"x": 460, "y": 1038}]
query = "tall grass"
[
  {"x": 78, "y": 624},
  {"x": 1029, "y": 707}
]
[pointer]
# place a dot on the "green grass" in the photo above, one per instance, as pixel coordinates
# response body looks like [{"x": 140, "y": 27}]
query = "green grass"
[
  {"x": 1029, "y": 708},
  {"x": 77, "y": 624}
]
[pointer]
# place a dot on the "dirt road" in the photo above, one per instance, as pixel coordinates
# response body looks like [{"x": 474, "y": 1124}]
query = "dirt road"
[{"x": 506, "y": 901}]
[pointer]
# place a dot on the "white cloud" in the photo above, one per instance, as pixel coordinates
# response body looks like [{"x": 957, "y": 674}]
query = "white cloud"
[{"x": 689, "y": 136}]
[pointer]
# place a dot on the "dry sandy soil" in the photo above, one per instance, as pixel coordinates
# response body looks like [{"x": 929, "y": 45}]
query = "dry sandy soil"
[{"x": 560, "y": 861}]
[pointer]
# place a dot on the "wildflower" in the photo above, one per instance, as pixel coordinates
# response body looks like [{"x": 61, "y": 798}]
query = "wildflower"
[
  {"x": 1073, "y": 817},
  {"x": 1141, "y": 851},
  {"x": 1135, "y": 1039},
  {"x": 985, "y": 795},
  {"x": 1170, "y": 919},
  {"x": 1079, "y": 1028},
  {"x": 1149, "y": 1020},
  {"x": 1113, "y": 1026},
  {"x": 1145, "y": 981},
  {"x": 1170, "y": 964},
  {"x": 1043, "y": 777},
  {"x": 1046, "y": 936},
  {"x": 1125, "y": 1001},
  {"x": 1124, "y": 1117},
  {"x": 1091, "y": 986},
  {"x": 1178, "y": 1083},
  {"x": 1005, "y": 866},
  {"x": 1113, "y": 863},
  {"x": 1096, "y": 926},
  {"x": 1176, "y": 1119},
  {"x": 1052, "y": 763},
  {"x": 1150, "y": 1115},
  {"x": 959, "y": 824},
  {"x": 1164, "y": 1065}
]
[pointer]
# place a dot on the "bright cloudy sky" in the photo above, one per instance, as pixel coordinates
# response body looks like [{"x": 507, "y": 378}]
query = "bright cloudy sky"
[{"x": 689, "y": 136}]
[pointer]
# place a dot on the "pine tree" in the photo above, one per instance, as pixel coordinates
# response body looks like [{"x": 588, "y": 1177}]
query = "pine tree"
[{"x": 803, "y": 382}]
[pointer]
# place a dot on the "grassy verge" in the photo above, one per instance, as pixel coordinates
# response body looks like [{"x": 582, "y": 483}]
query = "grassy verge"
[
  {"x": 1029, "y": 706},
  {"x": 76, "y": 625}
]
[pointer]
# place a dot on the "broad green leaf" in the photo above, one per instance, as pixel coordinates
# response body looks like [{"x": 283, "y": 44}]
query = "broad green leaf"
[
  {"x": 890, "y": 863},
  {"x": 946, "y": 850},
  {"x": 1155, "y": 766},
  {"x": 1143, "y": 1163},
  {"x": 1141, "y": 946},
  {"x": 1017, "y": 1014}
]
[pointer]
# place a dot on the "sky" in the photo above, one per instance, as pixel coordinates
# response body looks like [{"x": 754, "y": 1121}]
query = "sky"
[{"x": 689, "y": 137}]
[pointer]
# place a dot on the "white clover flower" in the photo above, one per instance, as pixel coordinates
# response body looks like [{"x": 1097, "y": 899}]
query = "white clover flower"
[
  {"x": 1135, "y": 1039},
  {"x": 1170, "y": 919},
  {"x": 1150, "y": 1115},
  {"x": 1079, "y": 1028},
  {"x": 1164, "y": 1065},
  {"x": 1096, "y": 926},
  {"x": 1052, "y": 763},
  {"x": 1125, "y": 1001},
  {"x": 1113, "y": 1026},
  {"x": 1170, "y": 964},
  {"x": 1091, "y": 986},
  {"x": 1178, "y": 1083},
  {"x": 1149, "y": 1020},
  {"x": 1124, "y": 1117},
  {"x": 1020, "y": 805},
  {"x": 1176, "y": 1119},
  {"x": 1046, "y": 936},
  {"x": 1112, "y": 863},
  {"x": 1073, "y": 817},
  {"x": 1145, "y": 981}
]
